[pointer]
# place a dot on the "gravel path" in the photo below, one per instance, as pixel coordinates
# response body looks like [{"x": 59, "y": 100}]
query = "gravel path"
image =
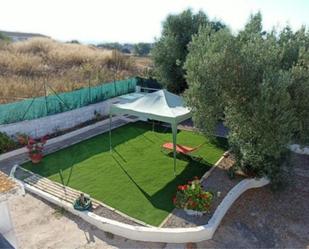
[
  {"x": 107, "y": 213},
  {"x": 261, "y": 218}
]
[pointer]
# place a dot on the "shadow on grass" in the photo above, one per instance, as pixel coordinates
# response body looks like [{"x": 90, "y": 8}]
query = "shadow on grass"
[
  {"x": 67, "y": 158},
  {"x": 162, "y": 199}
]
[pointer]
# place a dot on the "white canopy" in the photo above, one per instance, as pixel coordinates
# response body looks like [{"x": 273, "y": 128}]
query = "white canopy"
[{"x": 160, "y": 105}]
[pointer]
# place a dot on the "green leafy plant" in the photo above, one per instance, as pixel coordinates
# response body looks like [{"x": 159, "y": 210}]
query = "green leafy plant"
[
  {"x": 22, "y": 138},
  {"x": 192, "y": 196},
  {"x": 6, "y": 143},
  {"x": 257, "y": 83},
  {"x": 170, "y": 51}
]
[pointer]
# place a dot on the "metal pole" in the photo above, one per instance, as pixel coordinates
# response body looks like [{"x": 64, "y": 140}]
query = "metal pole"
[
  {"x": 174, "y": 131},
  {"x": 110, "y": 132},
  {"x": 45, "y": 91}
]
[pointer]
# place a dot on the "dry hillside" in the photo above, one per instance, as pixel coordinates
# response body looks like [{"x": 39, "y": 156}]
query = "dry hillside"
[{"x": 24, "y": 66}]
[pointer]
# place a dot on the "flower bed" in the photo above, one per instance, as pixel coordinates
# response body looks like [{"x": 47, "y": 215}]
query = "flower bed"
[
  {"x": 193, "y": 198},
  {"x": 219, "y": 184}
]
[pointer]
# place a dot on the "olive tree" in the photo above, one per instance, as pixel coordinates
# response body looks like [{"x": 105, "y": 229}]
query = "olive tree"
[
  {"x": 170, "y": 51},
  {"x": 247, "y": 81}
]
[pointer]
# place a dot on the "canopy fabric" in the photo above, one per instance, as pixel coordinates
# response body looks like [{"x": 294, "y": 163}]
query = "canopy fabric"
[{"x": 160, "y": 105}]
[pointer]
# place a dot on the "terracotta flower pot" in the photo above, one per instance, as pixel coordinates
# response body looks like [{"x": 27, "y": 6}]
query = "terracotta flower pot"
[
  {"x": 36, "y": 158},
  {"x": 22, "y": 140}
]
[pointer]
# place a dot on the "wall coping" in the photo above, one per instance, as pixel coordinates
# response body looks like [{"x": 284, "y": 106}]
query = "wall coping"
[{"x": 158, "y": 234}]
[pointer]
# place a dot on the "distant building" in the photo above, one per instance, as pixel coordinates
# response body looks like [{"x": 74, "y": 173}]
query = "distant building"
[{"x": 18, "y": 36}]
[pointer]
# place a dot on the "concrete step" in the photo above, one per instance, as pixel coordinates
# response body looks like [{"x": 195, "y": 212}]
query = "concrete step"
[{"x": 56, "y": 189}]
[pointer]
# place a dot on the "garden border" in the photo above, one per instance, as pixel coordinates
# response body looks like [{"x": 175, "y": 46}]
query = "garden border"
[
  {"x": 154, "y": 234},
  {"x": 299, "y": 149},
  {"x": 205, "y": 176},
  {"x": 157, "y": 234},
  {"x": 61, "y": 138}
]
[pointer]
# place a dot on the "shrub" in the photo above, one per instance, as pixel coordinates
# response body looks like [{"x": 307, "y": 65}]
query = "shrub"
[
  {"x": 248, "y": 81},
  {"x": 6, "y": 143}
]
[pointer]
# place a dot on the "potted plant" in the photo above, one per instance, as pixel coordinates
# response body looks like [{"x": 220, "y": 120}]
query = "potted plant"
[
  {"x": 193, "y": 198},
  {"x": 82, "y": 203},
  {"x": 22, "y": 139},
  {"x": 35, "y": 149}
]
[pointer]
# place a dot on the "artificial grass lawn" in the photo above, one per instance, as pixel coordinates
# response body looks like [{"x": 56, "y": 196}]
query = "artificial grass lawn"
[{"x": 137, "y": 178}]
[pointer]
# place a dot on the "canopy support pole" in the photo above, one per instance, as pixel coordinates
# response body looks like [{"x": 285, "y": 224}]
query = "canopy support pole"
[
  {"x": 174, "y": 131},
  {"x": 110, "y": 132}
]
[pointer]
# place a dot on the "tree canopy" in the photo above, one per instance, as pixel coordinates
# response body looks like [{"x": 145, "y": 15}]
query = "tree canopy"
[
  {"x": 4, "y": 38},
  {"x": 170, "y": 51},
  {"x": 257, "y": 82},
  {"x": 142, "y": 49}
]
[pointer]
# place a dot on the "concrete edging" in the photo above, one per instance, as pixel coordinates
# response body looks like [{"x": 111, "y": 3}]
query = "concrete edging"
[
  {"x": 156, "y": 234},
  {"x": 303, "y": 150},
  {"x": 60, "y": 138}
]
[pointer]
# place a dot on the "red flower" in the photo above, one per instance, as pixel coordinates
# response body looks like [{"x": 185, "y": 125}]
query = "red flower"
[
  {"x": 31, "y": 141},
  {"x": 182, "y": 187}
]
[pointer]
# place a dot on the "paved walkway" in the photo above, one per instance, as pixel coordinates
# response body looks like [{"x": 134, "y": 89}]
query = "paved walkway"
[{"x": 66, "y": 140}]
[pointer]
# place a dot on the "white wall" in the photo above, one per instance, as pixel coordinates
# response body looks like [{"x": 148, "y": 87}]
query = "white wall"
[
  {"x": 6, "y": 227},
  {"x": 156, "y": 234},
  {"x": 50, "y": 124}
]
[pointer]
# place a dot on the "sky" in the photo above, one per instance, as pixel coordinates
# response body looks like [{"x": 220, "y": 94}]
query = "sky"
[{"x": 94, "y": 21}]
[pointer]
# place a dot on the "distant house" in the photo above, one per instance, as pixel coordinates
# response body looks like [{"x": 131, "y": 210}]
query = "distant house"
[{"x": 19, "y": 36}]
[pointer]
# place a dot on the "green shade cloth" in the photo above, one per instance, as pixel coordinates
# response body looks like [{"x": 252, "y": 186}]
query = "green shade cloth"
[
  {"x": 43, "y": 106},
  {"x": 160, "y": 105}
]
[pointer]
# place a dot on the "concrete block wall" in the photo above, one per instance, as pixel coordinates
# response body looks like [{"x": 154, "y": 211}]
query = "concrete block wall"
[{"x": 50, "y": 124}]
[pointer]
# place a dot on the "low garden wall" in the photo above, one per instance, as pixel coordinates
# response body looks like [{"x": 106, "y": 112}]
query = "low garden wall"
[
  {"x": 53, "y": 123},
  {"x": 50, "y": 124},
  {"x": 156, "y": 234}
]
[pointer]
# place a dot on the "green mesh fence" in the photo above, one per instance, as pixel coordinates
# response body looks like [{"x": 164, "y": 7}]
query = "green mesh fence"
[{"x": 52, "y": 104}]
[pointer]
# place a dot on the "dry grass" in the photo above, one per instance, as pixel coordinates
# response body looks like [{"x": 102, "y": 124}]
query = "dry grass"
[{"x": 24, "y": 66}]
